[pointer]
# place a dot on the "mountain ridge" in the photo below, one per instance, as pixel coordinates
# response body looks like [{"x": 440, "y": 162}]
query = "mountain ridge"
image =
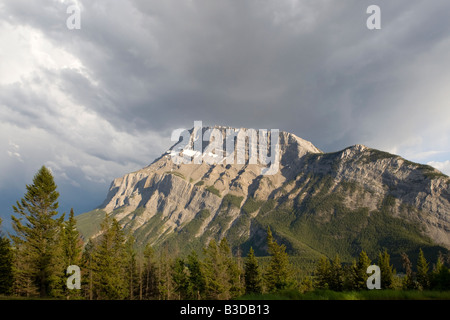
[{"x": 310, "y": 203}]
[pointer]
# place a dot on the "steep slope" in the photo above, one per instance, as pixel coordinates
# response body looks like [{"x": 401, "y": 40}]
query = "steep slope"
[{"x": 316, "y": 203}]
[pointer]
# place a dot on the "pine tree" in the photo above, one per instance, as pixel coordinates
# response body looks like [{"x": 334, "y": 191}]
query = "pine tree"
[
  {"x": 180, "y": 278},
  {"x": 439, "y": 263},
  {"x": 119, "y": 254},
  {"x": 215, "y": 271},
  {"x": 359, "y": 272},
  {"x": 440, "y": 276},
  {"x": 232, "y": 269},
  {"x": 37, "y": 231},
  {"x": 71, "y": 247},
  {"x": 87, "y": 271},
  {"x": 253, "y": 280},
  {"x": 437, "y": 269},
  {"x": 109, "y": 261},
  {"x": 72, "y": 242},
  {"x": 150, "y": 277},
  {"x": 306, "y": 285},
  {"x": 6, "y": 265},
  {"x": 57, "y": 280},
  {"x": 197, "y": 281},
  {"x": 336, "y": 275},
  {"x": 279, "y": 273},
  {"x": 23, "y": 283},
  {"x": 240, "y": 267},
  {"x": 323, "y": 273},
  {"x": 131, "y": 269},
  {"x": 140, "y": 275},
  {"x": 165, "y": 285},
  {"x": 422, "y": 271},
  {"x": 386, "y": 269}
]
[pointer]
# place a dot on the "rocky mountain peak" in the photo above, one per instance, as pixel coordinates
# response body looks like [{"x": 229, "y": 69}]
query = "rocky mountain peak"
[{"x": 210, "y": 185}]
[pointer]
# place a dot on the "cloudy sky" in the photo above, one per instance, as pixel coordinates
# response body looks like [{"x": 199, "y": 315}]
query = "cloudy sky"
[{"x": 97, "y": 102}]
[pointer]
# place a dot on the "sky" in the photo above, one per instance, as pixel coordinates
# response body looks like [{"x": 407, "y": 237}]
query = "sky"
[{"x": 99, "y": 101}]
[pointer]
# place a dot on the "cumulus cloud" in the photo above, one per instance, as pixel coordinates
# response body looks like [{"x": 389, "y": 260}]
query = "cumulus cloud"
[
  {"x": 443, "y": 166},
  {"x": 13, "y": 151}
]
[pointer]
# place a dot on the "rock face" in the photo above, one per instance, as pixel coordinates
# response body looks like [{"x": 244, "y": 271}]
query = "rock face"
[{"x": 316, "y": 203}]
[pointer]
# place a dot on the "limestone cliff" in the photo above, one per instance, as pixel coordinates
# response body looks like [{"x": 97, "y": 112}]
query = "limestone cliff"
[{"x": 357, "y": 198}]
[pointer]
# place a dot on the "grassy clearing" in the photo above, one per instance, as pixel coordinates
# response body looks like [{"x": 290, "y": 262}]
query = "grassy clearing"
[
  {"x": 352, "y": 295},
  {"x": 3, "y": 297},
  {"x": 89, "y": 223},
  {"x": 322, "y": 295}
]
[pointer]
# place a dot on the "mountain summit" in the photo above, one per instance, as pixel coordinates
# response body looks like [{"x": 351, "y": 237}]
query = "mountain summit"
[{"x": 316, "y": 203}]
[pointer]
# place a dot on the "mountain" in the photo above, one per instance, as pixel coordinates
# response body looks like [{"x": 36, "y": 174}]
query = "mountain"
[{"x": 315, "y": 203}]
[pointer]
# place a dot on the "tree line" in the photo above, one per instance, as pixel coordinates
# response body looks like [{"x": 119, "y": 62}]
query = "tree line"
[
  {"x": 34, "y": 262},
  {"x": 333, "y": 275}
]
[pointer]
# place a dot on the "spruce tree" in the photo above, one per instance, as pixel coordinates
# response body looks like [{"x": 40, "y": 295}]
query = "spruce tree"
[
  {"x": 197, "y": 281},
  {"x": 386, "y": 269},
  {"x": 57, "y": 280},
  {"x": 279, "y": 273},
  {"x": 180, "y": 278},
  {"x": 439, "y": 263},
  {"x": 323, "y": 273},
  {"x": 232, "y": 269},
  {"x": 253, "y": 280},
  {"x": 6, "y": 265},
  {"x": 336, "y": 275},
  {"x": 437, "y": 269},
  {"x": 72, "y": 243},
  {"x": 422, "y": 271},
  {"x": 216, "y": 276},
  {"x": 109, "y": 262},
  {"x": 150, "y": 274},
  {"x": 440, "y": 276},
  {"x": 306, "y": 284},
  {"x": 359, "y": 272},
  {"x": 131, "y": 269},
  {"x": 140, "y": 274},
  {"x": 23, "y": 283},
  {"x": 37, "y": 231},
  {"x": 87, "y": 271},
  {"x": 165, "y": 286},
  {"x": 119, "y": 254},
  {"x": 71, "y": 251}
]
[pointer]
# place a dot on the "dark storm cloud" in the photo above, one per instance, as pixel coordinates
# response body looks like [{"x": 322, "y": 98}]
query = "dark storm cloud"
[
  {"x": 310, "y": 67},
  {"x": 231, "y": 62}
]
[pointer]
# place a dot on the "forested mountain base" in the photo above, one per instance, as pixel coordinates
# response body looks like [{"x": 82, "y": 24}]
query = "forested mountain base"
[
  {"x": 113, "y": 270},
  {"x": 34, "y": 263}
]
